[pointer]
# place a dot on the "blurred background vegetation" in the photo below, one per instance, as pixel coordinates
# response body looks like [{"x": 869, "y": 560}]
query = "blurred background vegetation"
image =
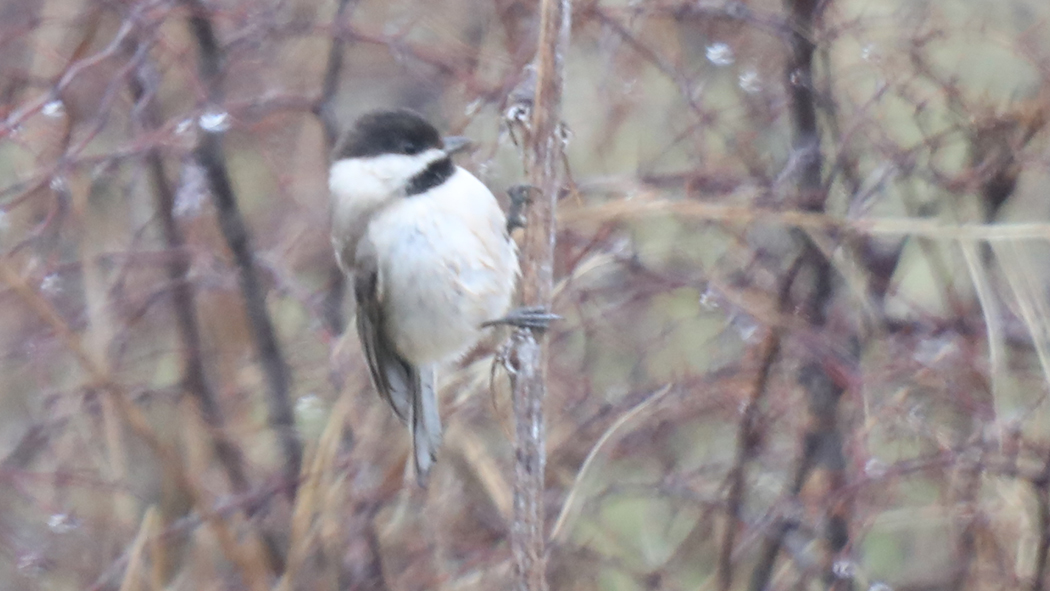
[{"x": 708, "y": 426}]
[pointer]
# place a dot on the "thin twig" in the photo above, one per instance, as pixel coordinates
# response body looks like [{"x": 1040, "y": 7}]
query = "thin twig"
[
  {"x": 324, "y": 107},
  {"x": 325, "y": 112},
  {"x": 571, "y": 507},
  {"x": 933, "y": 229}
]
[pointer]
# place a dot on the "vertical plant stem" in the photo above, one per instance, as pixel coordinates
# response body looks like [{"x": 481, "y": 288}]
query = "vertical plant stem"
[
  {"x": 527, "y": 532},
  {"x": 543, "y": 157}
]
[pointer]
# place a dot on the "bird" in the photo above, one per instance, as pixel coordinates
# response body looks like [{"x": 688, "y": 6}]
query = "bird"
[{"x": 429, "y": 253}]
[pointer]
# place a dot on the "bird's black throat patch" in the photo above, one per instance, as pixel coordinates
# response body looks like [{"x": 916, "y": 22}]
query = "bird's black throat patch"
[{"x": 433, "y": 175}]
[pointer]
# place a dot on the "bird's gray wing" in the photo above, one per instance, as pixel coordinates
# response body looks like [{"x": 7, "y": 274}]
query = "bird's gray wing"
[{"x": 395, "y": 378}]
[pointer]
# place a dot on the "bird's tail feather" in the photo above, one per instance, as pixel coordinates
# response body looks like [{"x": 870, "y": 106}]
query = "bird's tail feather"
[{"x": 426, "y": 424}]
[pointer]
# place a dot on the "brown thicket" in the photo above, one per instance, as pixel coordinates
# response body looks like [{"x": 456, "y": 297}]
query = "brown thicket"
[{"x": 799, "y": 250}]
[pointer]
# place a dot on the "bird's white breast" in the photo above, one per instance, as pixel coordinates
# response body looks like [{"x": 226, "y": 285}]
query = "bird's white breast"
[{"x": 446, "y": 265}]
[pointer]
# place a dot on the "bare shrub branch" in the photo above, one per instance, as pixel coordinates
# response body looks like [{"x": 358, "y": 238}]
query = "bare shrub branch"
[{"x": 209, "y": 154}]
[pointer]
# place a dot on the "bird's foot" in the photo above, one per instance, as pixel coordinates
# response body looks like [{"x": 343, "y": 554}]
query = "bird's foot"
[
  {"x": 520, "y": 198},
  {"x": 534, "y": 317}
]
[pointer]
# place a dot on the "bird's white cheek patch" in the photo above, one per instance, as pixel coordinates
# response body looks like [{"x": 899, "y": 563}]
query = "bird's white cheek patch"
[
  {"x": 354, "y": 182},
  {"x": 379, "y": 177}
]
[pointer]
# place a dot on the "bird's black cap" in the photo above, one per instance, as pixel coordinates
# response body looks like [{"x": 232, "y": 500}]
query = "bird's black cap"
[{"x": 398, "y": 131}]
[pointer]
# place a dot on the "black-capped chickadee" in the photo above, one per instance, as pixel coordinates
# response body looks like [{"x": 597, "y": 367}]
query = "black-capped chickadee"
[{"x": 431, "y": 258}]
